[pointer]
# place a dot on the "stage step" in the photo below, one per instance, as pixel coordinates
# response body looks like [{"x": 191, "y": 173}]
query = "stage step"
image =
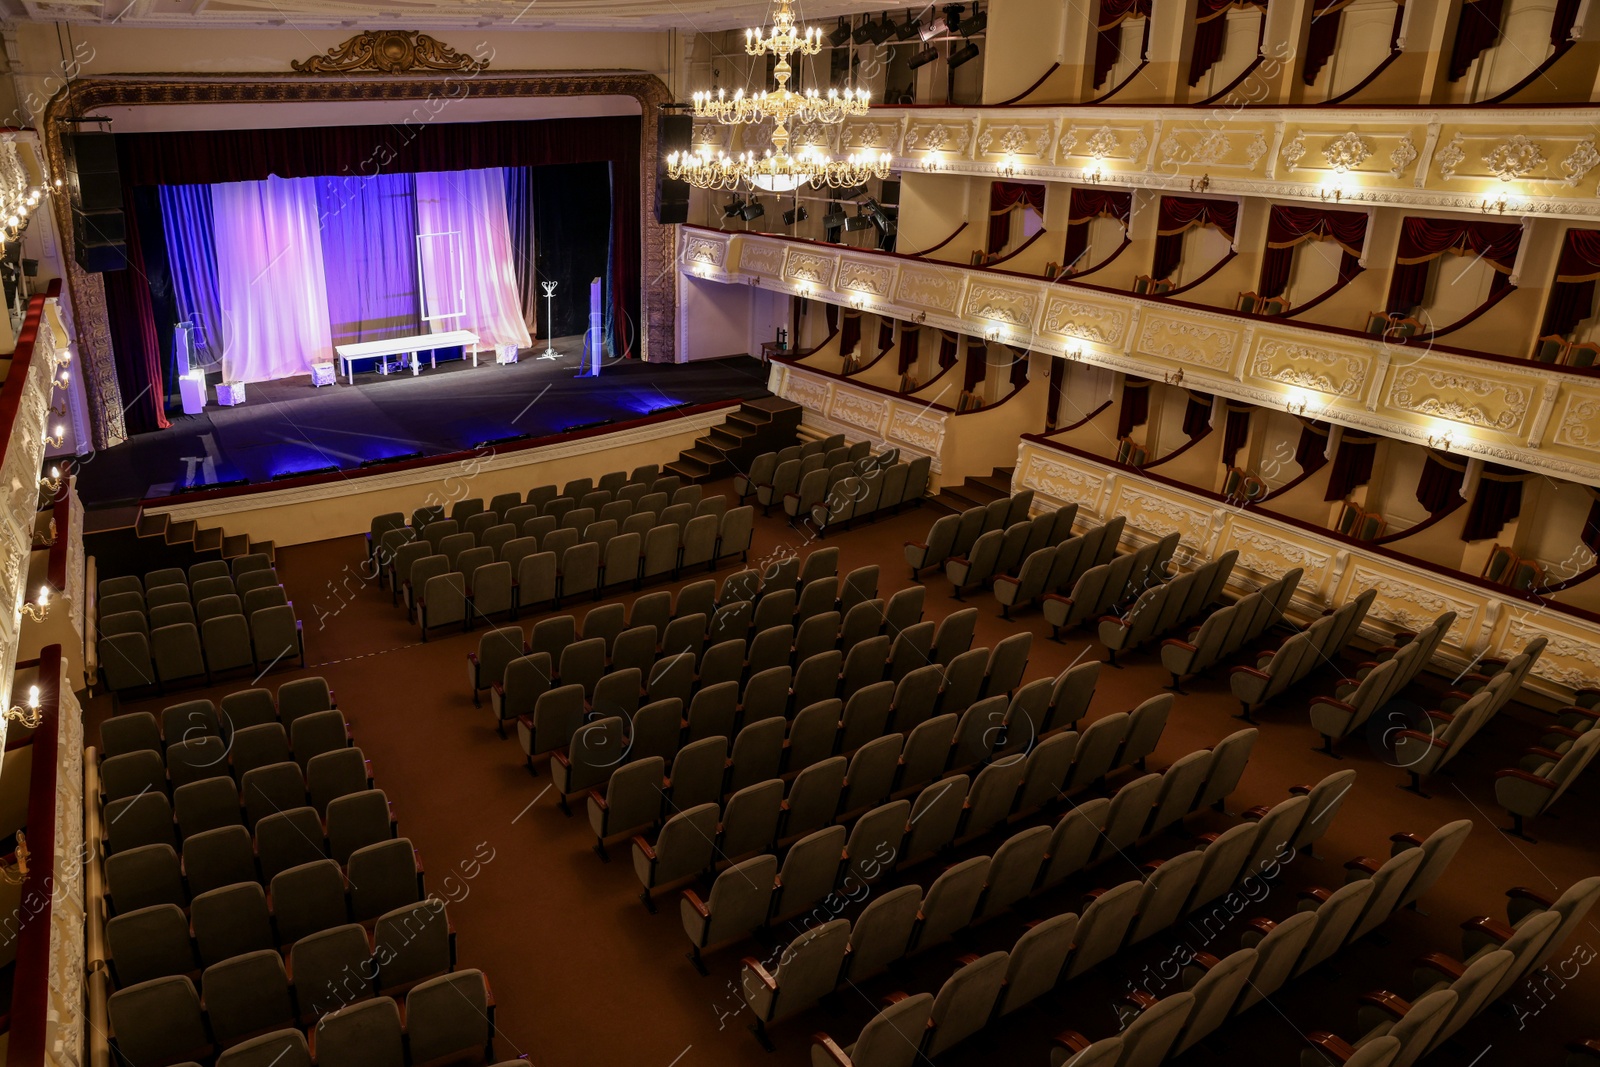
[
  {"x": 762, "y": 425},
  {"x": 208, "y": 540},
  {"x": 976, "y": 492},
  {"x": 128, "y": 541},
  {"x": 235, "y": 545}
]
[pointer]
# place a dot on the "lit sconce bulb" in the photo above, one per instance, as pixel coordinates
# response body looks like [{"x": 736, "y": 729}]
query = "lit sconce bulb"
[{"x": 33, "y": 696}]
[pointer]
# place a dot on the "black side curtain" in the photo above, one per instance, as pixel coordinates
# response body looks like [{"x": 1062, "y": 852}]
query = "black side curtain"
[
  {"x": 135, "y": 346},
  {"x": 1439, "y": 488},
  {"x": 910, "y": 335},
  {"x": 885, "y": 334},
  {"x": 566, "y": 203},
  {"x": 1476, "y": 32},
  {"x": 1058, "y": 379},
  {"x": 1235, "y": 432},
  {"x": 1019, "y": 366},
  {"x": 1325, "y": 18},
  {"x": 830, "y": 316},
  {"x": 1572, "y": 293},
  {"x": 1311, "y": 453},
  {"x": 949, "y": 350},
  {"x": 1211, "y": 33},
  {"x": 1108, "y": 28},
  {"x": 1197, "y": 416},
  {"x": 1591, "y": 525},
  {"x": 1497, "y": 501},
  {"x": 1135, "y": 410},
  {"x": 977, "y": 365},
  {"x": 1352, "y": 464},
  {"x": 850, "y": 332}
]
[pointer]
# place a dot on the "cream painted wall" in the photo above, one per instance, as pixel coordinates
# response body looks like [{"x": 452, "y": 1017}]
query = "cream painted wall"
[{"x": 1029, "y": 35}]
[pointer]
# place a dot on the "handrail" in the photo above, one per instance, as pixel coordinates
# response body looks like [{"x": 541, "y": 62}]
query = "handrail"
[
  {"x": 1123, "y": 247},
  {"x": 1081, "y": 423},
  {"x": 875, "y": 360},
  {"x": 1218, "y": 265},
  {"x": 1436, "y": 517},
  {"x": 30, "y": 994},
  {"x": 1469, "y": 317},
  {"x": 997, "y": 405},
  {"x": 1337, "y": 331},
  {"x": 1537, "y": 72},
  {"x": 928, "y": 251},
  {"x": 1020, "y": 248},
  {"x": 808, "y": 353},
  {"x": 846, "y": 379},
  {"x": 21, "y": 364},
  {"x": 1181, "y": 449},
  {"x": 935, "y": 380},
  {"x": 1332, "y": 535},
  {"x": 1030, "y": 89},
  {"x": 1115, "y": 89},
  {"x": 1289, "y": 313}
]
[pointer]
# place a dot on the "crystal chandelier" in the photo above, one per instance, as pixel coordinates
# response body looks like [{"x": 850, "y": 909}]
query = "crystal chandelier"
[{"x": 777, "y": 170}]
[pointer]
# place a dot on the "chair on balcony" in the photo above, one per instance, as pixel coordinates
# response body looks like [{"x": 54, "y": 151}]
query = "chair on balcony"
[
  {"x": 1551, "y": 348},
  {"x": 1148, "y": 286},
  {"x": 968, "y": 402},
  {"x": 1403, "y": 328},
  {"x": 1500, "y": 566},
  {"x": 1377, "y": 323},
  {"x": 1249, "y": 303},
  {"x": 1131, "y": 454},
  {"x": 1582, "y": 354},
  {"x": 1273, "y": 305}
]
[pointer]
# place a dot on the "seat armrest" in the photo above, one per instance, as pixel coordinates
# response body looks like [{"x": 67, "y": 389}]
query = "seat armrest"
[
  {"x": 1542, "y": 752},
  {"x": 696, "y": 903},
  {"x": 1177, "y": 643},
  {"x": 472, "y": 658},
  {"x": 1072, "y": 1041},
  {"x": 1573, "y": 709},
  {"x": 1564, "y": 731},
  {"x": 916, "y": 544},
  {"x": 963, "y": 560},
  {"x": 1008, "y": 579},
  {"x": 1524, "y": 776},
  {"x": 560, "y": 756},
  {"x": 1316, "y": 893},
  {"x": 1333, "y": 702},
  {"x": 1241, "y": 669},
  {"x": 1139, "y": 998},
  {"x": 598, "y": 798},
  {"x": 1255, "y": 813},
  {"x": 754, "y": 965},
  {"x": 1493, "y": 929},
  {"x": 1262, "y": 926},
  {"x": 1408, "y": 840},
  {"x": 1418, "y": 735},
  {"x": 829, "y": 1048},
  {"x": 1299, "y": 790},
  {"x": 1203, "y": 960},
  {"x": 1392, "y": 1004},
  {"x": 1366, "y": 864},
  {"x": 644, "y": 846},
  {"x": 1522, "y": 892},
  {"x": 1335, "y": 1048},
  {"x": 1448, "y": 966}
]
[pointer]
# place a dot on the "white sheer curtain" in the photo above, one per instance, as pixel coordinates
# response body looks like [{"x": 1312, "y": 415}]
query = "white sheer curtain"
[
  {"x": 473, "y": 204},
  {"x": 270, "y": 281}
]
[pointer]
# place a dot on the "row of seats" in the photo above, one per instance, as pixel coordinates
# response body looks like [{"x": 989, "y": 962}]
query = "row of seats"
[
  {"x": 1165, "y": 606},
  {"x": 762, "y": 467},
  {"x": 837, "y": 497},
  {"x": 1001, "y": 552},
  {"x": 165, "y": 604},
  {"x": 1229, "y": 629},
  {"x": 240, "y": 572},
  {"x": 1299, "y": 656},
  {"x": 181, "y": 651},
  {"x": 954, "y": 535},
  {"x": 1059, "y": 568},
  {"x": 1100, "y": 589},
  {"x": 1376, "y": 682}
]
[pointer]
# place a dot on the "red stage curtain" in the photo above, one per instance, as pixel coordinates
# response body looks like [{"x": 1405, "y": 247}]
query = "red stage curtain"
[
  {"x": 1572, "y": 293},
  {"x": 1113, "y": 13},
  {"x": 1477, "y": 30},
  {"x": 1423, "y": 240},
  {"x": 1085, "y": 206},
  {"x": 1135, "y": 410},
  {"x": 1311, "y": 450},
  {"x": 1439, "y": 488},
  {"x": 1290, "y": 226},
  {"x": 1352, "y": 464},
  {"x": 1179, "y": 214},
  {"x": 1003, "y": 197},
  {"x": 1211, "y": 30},
  {"x": 910, "y": 334},
  {"x": 977, "y": 365},
  {"x": 135, "y": 349},
  {"x": 1058, "y": 378},
  {"x": 850, "y": 332},
  {"x": 948, "y": 350},
  {"x": 1325, "y": 18},
  {"x": 1497, "y": 501},
  {"x": 1235, "y": 432},
  {"x": 1197, "y": 415}
]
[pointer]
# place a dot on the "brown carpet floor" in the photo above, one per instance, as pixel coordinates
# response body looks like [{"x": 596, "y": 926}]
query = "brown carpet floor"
[{"x": 583, "y": 975}]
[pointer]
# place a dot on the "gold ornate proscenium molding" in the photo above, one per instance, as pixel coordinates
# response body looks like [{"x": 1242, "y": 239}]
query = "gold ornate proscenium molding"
[
  {"x": 84, "y": 95},
  {"x": 390, "y": 52}
]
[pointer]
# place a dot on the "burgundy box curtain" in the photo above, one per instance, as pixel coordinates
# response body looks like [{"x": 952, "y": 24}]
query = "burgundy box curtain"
[
  {"x": 850, "y": 332},
  {"x": 1108, "y": 27},
  {"x": 1352, "y": 464},
  {"x": 1439, "y": 488},
  {"x": 1572, "y": 294},
  {"x": 1289, "y": 226},
  {"x": 1311, "y": 452},
  {"x": 977, "y": 365},
  {"x": 1497, "y": 501},
  {"x": 1085, "y": 206},
  {"x": 1058, "y": 378},
  {"x": 1197, "y": 415},
  {"x": 1325, "y": 19},
  {"x": 206, "y": 157},
  {"x": 1179, "y": 214},
  {"x": 948, "y": 350},
  {"x": 1135, "y": 410},
  {"x": 1235, "y": 432},
  {"x": 1003, "y": 197},
  {"x": 1211, "y": 32},
  {"x": 1423, "y": 240},
  {"x": 910, "y": 336},
  {"x": 1477, "y": 30},
  {"x": 1591, "y": 525},
  {"x": 885, "y": 335},
  {"x": 1019, "y": 366}
]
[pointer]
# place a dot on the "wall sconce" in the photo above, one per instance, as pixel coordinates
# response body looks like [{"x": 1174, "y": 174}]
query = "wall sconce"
[
  {"x": 29, "y": 714},
  {"x": 1095, "y": 172},
  {"x": 37, "y": 610},
  {"x": 65, "y": 357},
  {"x": 922, "y": 317},
  {"x": 1498, "y": 204},
  {"x": 52, "y": 484},
  {"x": 1334, "y": 192},
  {"x": 992, "y": 334},
  {"x": 1173, "y": 377},
  {"x": 63, "y": 379},
  {"x": 1442, "y": 441},
  {"x": 1074, "y": 354},
  {"x": 55, "y": 439},
  {"x": 1200, "y": 184},
  {"x": 932, "y": 161},
  {"x": 1295, "y": 407},
  {"x": 1008, "y": 165},
  {"x": 18, "y": 873}
]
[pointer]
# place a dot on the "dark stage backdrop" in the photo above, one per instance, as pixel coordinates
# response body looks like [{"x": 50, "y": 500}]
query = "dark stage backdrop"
[{"x": 584, "y": 174}]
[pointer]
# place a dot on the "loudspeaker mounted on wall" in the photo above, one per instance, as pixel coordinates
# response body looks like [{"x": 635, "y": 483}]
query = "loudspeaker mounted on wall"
[
  {"x": 99, "y": 231},
  {"x": 674, "y": 133}
]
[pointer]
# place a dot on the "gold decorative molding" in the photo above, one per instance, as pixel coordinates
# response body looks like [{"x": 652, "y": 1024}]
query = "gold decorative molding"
[{"x": 390, "y": 52}]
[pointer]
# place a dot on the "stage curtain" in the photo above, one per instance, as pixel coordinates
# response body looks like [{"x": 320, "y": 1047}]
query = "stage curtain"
[
  {"x": 369, "y": 258},
  {"x": 1289, "y": 226},
  {"x": 1108, "y": 33},
  {"x": 1085, "y": 206},
  {"x": 977, "y": 365},
  {"x": 473, "y": 204},
  {"x": 1325, "y": 18},
  {"x": 1476, "y": 31},
  {"x": 885, "y": 334},
  {"x": 566, "y": 203},
  {"x": 1311, "y": 451},
  {"x": 1019, "y": 366},
  {"x": 948, "y": 350},
  {"x": 1211, "y": 32},
  {"x": 270, "y": 281},
  {"x": 1003, "y": 198},
  {"x": 524, "y": 252},
  {"x": 1423, "y": 240},
  {"x": 163, "y": 303},
  {"x": 1572, "y": 292},
  {"x": 1058, "y": 379},
  {"x": 1179, "y": 214},
  {"x": 1235, "y": 432},
  {"x": 1352, "y": 465},
  {"x": 910, "y": 336},
  {"x": 1496, "y": 502},
  {"x": 1197, "y": 415},
  {"x": 1135, "y": 409},
  {"x": 192, "y": 263},
  {"x": 1439, "y": 488},
  {"x": 850, "y": 332},
  {"x": 135, "y": 348}
]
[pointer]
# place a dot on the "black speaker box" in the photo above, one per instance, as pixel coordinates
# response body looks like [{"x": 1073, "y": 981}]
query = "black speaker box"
[
  {"x": 674, "y": 133},
  {"x": 100, "y": 233}
]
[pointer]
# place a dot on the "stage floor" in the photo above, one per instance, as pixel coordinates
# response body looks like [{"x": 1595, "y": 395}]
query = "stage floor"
[{"x": 286, "y": 426}]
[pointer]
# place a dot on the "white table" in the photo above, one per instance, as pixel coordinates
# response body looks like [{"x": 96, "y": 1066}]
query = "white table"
[{"x": 405, "y": 346}]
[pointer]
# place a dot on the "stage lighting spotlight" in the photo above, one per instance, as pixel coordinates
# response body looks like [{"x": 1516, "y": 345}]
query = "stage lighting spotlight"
[
  {"x": 909, "y": 28},
  {"x": 733, "y": 208},
  {"x": 841, "y": 33},
  {"x": 851, "y": 193},
  {"x": 881, "y": 30},
  {"x": 933, "y": 28},
  {"x": 753, "y": 210},
  {"x": 794, "y": 215},
  {"x": 834, "y": 219},
  {"x": 952, "y": 17},
  {"x": 858, "y": 221},
  {"x": 965, "y": 54},
  {"x": 977, "y": 22},
  {"x": 923, "y": 58},
  {"x": 863, "y": 32}
]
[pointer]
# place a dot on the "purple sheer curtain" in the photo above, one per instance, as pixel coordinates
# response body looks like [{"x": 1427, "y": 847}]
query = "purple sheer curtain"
[
  {"x": 472, "y": 203},
  {"x": 369, "y": 228},
  {"x": 1439, "y": 488},
  {"x": 1352, "y": 465},
  {"x": 192, "y": 263},
  {"x": 1496, "y": 502}
]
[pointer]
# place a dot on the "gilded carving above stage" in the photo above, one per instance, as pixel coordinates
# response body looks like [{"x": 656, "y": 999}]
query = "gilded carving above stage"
[
  {"x": 390, "y": 52},
  {"x": 83, "y": 96}
]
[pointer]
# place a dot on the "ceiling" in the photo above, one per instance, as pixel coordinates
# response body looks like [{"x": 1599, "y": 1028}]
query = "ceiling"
[{"x": 637, "y": 15}]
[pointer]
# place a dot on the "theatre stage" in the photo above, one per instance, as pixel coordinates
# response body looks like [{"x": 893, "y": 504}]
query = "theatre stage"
[{"x": 287, "y": 427}]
